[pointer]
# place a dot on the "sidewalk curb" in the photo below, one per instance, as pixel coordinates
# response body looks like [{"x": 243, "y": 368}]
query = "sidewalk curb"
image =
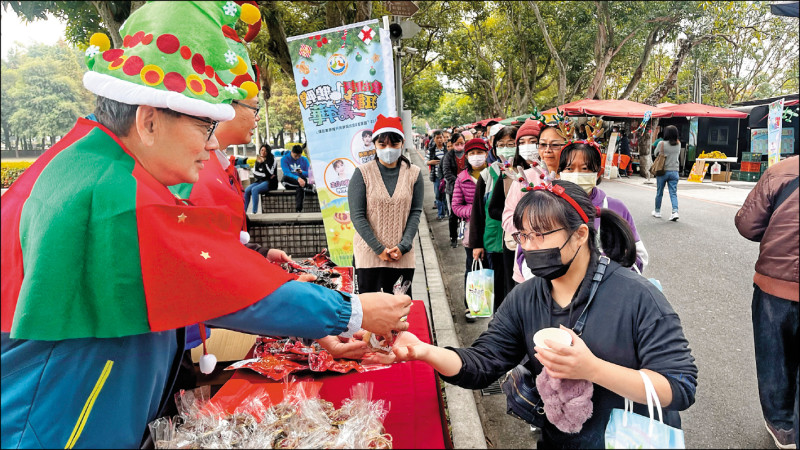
[{"x": 465, "y": 422}]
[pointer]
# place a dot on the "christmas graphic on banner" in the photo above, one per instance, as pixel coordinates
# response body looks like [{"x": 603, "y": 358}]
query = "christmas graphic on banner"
[
  {"x": 774, "y": 126},
  {"x": 344, "y": 78}
]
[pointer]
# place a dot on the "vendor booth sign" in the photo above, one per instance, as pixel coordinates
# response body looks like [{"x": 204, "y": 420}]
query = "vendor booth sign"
[
  {"x": 344, "y": 78},
  {"x": 774, "y": 126}
]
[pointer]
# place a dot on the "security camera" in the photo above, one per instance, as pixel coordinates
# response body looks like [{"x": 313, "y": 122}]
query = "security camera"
[{"x": 411, "y": 50}]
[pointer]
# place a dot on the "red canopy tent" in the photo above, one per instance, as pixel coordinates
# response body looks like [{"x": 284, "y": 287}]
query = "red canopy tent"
[
  {"x": 611, "y": 108},
  {"x": 485, "y": 121},
  {"x": 622, "y": 108},
  {"x": 569, "y": 108},
  {"x": 700, "y": 110}
]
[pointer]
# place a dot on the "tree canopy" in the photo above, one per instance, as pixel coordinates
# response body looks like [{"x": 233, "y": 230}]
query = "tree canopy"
[{"x": 479, "y": 59}]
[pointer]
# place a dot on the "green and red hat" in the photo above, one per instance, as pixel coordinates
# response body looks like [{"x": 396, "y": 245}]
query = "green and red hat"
[{"x": 177, "y": 55}]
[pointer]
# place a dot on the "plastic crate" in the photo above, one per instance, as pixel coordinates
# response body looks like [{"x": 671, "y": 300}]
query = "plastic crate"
[
  {"x": 283, "y": 202},
  {"x": 735, "y": 175},
  {"x": 750, "y": 176},
  {"x": 751, "y": 167},
  {"x": 751, "y": 156},
  {"x": 300, "y": 239},
  {"x": 763, "y": 166}
]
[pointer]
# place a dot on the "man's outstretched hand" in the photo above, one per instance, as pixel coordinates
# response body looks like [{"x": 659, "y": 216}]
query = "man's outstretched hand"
[{"x": 383, "y": 312}]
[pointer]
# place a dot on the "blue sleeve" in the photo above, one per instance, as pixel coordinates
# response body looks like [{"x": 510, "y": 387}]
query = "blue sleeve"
[
  {"x": 287, "y": 171},
  {"x": 294, "y": 309},
  {"x": 304, "y": 165}
]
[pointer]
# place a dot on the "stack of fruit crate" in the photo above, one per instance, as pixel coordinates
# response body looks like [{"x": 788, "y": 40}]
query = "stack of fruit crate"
[{"x": 751, "y": 168}]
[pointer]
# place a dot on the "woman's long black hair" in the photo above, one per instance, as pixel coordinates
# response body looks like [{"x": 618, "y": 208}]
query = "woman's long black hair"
[
  {"x": 270, "y": 158},
  {"x": 389, "y": 138},
  {"x": 544, "y": 211}
]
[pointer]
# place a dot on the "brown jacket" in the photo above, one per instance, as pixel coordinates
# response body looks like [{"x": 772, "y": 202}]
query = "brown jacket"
[{"x": 778, "y": 231}]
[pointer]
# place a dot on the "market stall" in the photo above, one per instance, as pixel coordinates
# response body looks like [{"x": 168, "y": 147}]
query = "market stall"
[{"x": 416, "y": 416}]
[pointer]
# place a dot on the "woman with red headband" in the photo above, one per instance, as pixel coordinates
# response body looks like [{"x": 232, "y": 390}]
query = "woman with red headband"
[{"x": 625, "y": 326}]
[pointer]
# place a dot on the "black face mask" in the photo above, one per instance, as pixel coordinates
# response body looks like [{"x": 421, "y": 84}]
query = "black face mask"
[{"x": 546, "y": 263}]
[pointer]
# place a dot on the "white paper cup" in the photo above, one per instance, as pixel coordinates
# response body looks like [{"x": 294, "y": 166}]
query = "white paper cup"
[{"x": 552, "y": 334}]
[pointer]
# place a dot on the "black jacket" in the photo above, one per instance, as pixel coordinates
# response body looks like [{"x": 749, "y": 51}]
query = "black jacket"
[
  {"x": 629, "y": 323},
  {"x": 450, "y": 170}
]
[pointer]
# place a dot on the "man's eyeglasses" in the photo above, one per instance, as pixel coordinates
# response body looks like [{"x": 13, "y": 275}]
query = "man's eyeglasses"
[
  {"x": 254, "y": 108},
  {"x": 535, "y": 237},
  {"x": 552, "y": 146}
]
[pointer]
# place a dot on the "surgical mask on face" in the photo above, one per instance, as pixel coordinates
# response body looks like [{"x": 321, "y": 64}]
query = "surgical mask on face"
[
  {"x": 586, "y": 180},
  {"x": 506, "y": 152},
  {"x": 476, "y": 160},
  {"x": 546, "y": 263},
  {"x": 389, "y": 155},
  {"x": 529, "y": 152}
]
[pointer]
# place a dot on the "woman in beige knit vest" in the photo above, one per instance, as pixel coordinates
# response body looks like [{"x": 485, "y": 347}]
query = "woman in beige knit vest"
[{"x": 385, "y": 197}]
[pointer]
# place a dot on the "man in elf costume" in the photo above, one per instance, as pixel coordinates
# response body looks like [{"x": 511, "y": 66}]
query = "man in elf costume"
[{"x": 104, "y": 266}]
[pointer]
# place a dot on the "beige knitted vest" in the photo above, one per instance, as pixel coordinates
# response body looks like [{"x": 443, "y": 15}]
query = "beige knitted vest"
[{"x": 387, "y": 216}]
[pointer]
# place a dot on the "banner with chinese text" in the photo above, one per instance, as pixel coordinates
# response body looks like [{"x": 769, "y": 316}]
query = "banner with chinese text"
[
  {"x": 344, "y": 79},
  {"x": 774, "y": 126}
]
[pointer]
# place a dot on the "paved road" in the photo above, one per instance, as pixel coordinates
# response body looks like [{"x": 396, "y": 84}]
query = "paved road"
[{"x": 706, "y": 269}]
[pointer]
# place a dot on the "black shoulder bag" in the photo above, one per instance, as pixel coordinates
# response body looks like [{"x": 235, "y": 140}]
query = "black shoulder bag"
[{"x": 522, "y": 396}]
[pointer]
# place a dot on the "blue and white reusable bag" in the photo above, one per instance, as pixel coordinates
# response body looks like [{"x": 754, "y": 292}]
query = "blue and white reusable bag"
[{"x": 627, "y": 429}]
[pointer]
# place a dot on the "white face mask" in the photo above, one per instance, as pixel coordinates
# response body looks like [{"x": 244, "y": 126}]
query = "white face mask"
[
  {"x": 586, "y": 180},
  {"x": 389, "y": 155},
  {"x": 476, "y": 160},
  {"x": 506, "y": 152},
  {"x": 529, "y": 152}
]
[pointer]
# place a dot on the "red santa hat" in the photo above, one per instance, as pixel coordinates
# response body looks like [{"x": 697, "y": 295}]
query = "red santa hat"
[{"x": 388, "y": 125}]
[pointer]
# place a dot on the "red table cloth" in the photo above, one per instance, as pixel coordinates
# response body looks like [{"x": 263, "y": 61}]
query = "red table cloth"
[{"x": 416, "y": 416}]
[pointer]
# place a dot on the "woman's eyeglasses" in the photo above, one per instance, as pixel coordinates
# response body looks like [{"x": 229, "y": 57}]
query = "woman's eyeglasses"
[{"x": 534, "y": 237}]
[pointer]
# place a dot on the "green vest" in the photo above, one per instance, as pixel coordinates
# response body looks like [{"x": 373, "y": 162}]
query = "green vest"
[{"x": 493, "y": 230}]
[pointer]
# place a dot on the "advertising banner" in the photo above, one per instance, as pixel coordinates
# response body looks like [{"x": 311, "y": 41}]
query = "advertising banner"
[
  {"x": 344, "y": 78},
  {"x": 774, "y": 126}
]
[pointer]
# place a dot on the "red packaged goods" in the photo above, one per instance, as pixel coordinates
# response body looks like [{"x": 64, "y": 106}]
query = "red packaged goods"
[{"x": 270, "y": 366}]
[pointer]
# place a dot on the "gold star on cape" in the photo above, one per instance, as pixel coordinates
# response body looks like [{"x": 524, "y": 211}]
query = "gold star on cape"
[
  {"x": 205, "y": 255},
  {"x": 182, "y": 218}
]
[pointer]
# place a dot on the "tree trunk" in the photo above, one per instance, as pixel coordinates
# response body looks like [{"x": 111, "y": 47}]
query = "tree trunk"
[
  {"x": 363, "y": 11},
  {"x": 276, "y": 43},
  {"x": 637, "y": 74},
  {"x": 104, "y": 10},
  {"x": 670, "y": 79},
  {"x": 333, "y": 13},
  {"x": 562, "y": 73},
  {"x": 7, "y": 136}
]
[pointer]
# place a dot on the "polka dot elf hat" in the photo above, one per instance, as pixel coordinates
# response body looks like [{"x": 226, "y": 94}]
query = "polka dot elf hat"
[{"x": 177, "y": 55}]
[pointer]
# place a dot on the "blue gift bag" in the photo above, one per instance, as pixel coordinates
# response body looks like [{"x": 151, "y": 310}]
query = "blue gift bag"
[{"x": 629, "y": 430}]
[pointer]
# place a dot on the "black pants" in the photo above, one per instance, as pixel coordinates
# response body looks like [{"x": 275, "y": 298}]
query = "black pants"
[
  {"x": 487, "y": 264},
  {"x": 453, "y": 221},
  {"x": 775, "y": 335},
  {"x": 508, "y": 272},
  {"x": 299, "y": 192},
  {"x": 496, "y": 260},
  {"x": 377, "y": 278}
]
